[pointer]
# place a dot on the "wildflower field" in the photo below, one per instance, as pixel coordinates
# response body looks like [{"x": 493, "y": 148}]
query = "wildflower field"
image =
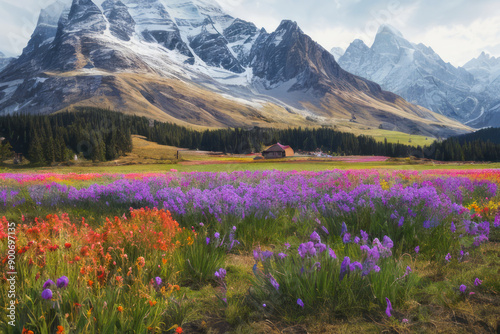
[{"x": 250, "y": 252}]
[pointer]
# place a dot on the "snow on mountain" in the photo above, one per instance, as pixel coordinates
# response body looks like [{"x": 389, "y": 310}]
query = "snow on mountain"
[
  {"x": 418, "y": 74},
  {"x": 188, "y": 61}
]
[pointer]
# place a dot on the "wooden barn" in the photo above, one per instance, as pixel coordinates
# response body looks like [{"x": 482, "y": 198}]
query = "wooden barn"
[{"x": 278, "y": 151}]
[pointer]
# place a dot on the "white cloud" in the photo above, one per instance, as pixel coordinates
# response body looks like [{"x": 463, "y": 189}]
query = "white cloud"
[{"x": 460, "y": 43}]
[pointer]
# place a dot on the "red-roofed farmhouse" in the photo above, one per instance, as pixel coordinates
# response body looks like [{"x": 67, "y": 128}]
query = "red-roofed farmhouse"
[{"x": 278, "y": 151}]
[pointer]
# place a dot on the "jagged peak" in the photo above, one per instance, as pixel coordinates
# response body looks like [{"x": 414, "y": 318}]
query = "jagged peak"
[
  {"x": 85, "y": 15},
  {"x": 288, "y": 25},
  {"x": 388, "y": 29},
  {"x": 358, "y": 43}
]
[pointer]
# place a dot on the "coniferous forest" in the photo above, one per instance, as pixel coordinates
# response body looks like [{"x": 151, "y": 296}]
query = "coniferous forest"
[{"x": 103, "y": 135}]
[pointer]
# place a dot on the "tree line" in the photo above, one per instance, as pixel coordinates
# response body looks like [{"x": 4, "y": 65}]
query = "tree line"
[{"x": 101, "y": 135}]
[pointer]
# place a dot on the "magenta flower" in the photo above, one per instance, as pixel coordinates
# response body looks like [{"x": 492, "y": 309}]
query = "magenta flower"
[
  {"x": 388, "y": 308},
  {"x": 47, "y": 294},
  {"x": 447, "y": 257},
  {"x": 300, "y": 303},
  {"x": 477, "y": 282},
  {"x": 417, "y": 249}
]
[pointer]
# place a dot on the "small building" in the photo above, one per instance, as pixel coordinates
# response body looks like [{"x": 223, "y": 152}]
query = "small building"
[{"x": 278, "y": 151}]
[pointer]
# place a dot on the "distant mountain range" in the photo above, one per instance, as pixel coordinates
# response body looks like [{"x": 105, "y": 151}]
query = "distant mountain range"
[
  {"x": 189, "y": 62},
  {"x": 470, "y": 94}
]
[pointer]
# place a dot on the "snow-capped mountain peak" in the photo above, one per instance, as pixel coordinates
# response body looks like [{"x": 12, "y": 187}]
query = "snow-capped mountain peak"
[
  {"x": 188, "y": 61},
  {"x": 389, "y": 30}
]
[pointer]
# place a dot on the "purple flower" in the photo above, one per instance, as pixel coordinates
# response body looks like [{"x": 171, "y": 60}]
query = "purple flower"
[
  {"x": 307, "y": 249},
  {"x": 417, "y": 249},
  {"x": 221, "y": 273},
  {"x": 315, "y": 237},
  {"x": 267, "y": 254},
  {"x": 300, "y": 303},
  {"x": 355, "y": 265},
  {"x": 47, "y": 294},
  {"x": 477, "y": 282},
  {"x": 387, "y": 242},
  {"x": 48, "y": 283},
  {"x": 496, "y": 223},
  {"x": 320, "y": 247},
  {"x": 447, "y": 257},
  {"x": 376, "y": 268},
  {"x": 256, "y": 254},
  {"x": 404, "y": 321},
  {"x": 332, "y": 253},
  {"x": 317, "y": 265},
  {"x": 344, "y": 266},
  {"x": 452, "y": 227},
  {"x": 343, "y": 229},
  {"x": 282, "y": 255},
  {"x": 401, "y": 221},
  {"x": 356, "y": 239},
  {"x": 62, "y": 282},
  {"x": 346, "y": 238},
  {"x": 325, "y": 230},
  {"x": 208, "y": 240},
  {"x": 274, "y": 283},
  {"x": 364, "y": 235},
  {"x": 234, "y": 228},
  {"x": 264, "y": 305},
  {"x": 408, "y": 270},
  {"x": 217, "y": 235},
  {"x": 287, "y": 245},
  {"x": 463, "y": 288},
  {"x": 388, "y": 308},
  {"x": 201, "y": 224},
  {"x": 158, "y": 281}
]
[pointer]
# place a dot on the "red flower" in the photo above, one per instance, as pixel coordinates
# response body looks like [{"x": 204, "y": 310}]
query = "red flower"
[
  {"x": 178, "y": 330},
  {"x": 67, "y": 245}
]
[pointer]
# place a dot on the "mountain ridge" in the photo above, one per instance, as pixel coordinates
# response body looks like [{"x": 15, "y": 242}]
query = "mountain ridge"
[
  {"x": 188, "y": 61},
  {"x": 417, "y": 73}
]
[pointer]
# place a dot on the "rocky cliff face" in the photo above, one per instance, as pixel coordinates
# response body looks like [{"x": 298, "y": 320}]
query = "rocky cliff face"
[
  {"x": 188, "y": 61},
  {"x": 4, "y": 61},
  {"x": 418, "y": 74}
]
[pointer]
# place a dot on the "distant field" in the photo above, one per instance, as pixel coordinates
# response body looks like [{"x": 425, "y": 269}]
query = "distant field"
[
  {"x": 151, "y": 157},
  {"x": 396, "y": 137}
]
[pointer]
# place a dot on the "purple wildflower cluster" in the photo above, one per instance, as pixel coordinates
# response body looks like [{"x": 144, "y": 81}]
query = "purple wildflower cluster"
[{"x": 61, "y": 283}]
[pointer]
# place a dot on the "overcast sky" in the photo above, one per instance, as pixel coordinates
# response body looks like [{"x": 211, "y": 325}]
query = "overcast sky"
[{"x": 457, "y": 30}]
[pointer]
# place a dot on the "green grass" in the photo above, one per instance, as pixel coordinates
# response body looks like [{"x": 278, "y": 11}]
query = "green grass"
[{"x": 264, "y": 165}]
